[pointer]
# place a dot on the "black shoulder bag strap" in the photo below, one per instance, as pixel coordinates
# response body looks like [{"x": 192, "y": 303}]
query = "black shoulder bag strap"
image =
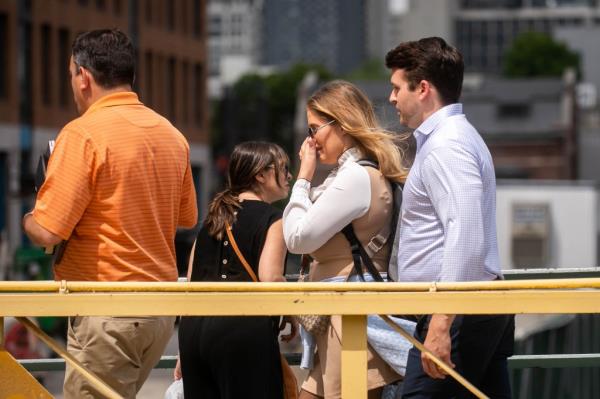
[{"x": 358, "y": 253}]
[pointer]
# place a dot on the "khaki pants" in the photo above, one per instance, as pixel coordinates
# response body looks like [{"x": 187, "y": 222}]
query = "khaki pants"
[{"x": 120, "y": 350}]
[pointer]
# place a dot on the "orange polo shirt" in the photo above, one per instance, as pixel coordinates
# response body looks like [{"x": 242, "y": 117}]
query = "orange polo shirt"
[{"x": 118, "y": 184}]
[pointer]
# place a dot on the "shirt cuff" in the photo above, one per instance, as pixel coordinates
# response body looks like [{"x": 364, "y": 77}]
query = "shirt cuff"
[
  {"x": 302, "y": 184},
  {"x": 300, "y": 192}
]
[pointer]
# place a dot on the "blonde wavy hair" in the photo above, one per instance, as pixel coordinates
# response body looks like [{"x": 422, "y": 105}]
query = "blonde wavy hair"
[{"x": 345, "y": 103}]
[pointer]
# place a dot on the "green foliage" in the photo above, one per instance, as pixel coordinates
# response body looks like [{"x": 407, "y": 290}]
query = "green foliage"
[
  {"x": 262, "y": 107},
  {"x": 373, "y": 69},
  {"x": 537, "y": 54}
]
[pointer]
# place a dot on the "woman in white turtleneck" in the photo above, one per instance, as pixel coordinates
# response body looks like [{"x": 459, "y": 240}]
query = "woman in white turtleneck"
[{"x": 342, "y": 130}]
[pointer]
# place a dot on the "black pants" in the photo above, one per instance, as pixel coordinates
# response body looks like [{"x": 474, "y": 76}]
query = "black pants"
[
  {"x": 480, "y": 346},
  {"x": 230, "y": 357}
]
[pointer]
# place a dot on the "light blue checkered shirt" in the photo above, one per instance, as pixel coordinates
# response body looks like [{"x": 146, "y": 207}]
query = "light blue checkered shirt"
[{"x": 448, "y": 227}]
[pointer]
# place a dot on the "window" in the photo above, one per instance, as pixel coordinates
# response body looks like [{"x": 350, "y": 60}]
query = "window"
[
  {"x": 197, "y": 14},
  {"x": 214, "y": 26},
  {"x": 118, "y": 7},
  {"x": 3, "y": 56},
  {"x": 148, "y": 78},
  {"x": 171, "y": 15},
  {"x": 513, "y": 111},
  {"x": 171, "y": 90},
  {"x": 158, "y": 101},
  {"x": 184, "y": 16},
  {"x": 236, "y": 25},
  {"x": 64, "y": 54},
  {"x": 198, "y": 95},
  {"x": 185, "y": 91},
  {"x": 149, "y": 11},
  {"x": 46, "y": 63}
]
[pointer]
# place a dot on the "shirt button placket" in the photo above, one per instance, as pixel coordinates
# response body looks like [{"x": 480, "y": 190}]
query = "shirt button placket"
[{"x": 224, "y": 276}]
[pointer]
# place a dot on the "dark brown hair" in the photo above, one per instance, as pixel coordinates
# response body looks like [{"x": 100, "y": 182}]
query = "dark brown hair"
[
  {"x": 430, "y": 59},
  {"x": 247, "y": 160},
  {"x": 109, "y": 56}
]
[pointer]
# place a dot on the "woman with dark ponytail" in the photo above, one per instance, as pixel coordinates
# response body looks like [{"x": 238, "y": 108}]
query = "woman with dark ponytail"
[{"x": 224, "y": 357}]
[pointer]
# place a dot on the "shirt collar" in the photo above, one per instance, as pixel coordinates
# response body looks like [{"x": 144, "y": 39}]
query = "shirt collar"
[
  {"x": 430, "y": 124},
  {"x": 352, "y": 153},
  {"x": 113, "y": 99}
]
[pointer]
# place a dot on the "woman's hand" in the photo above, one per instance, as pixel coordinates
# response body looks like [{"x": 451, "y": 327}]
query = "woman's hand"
[
  {"x": 177, "y": 371},
  {"x": 308, "y": 159},
  {"x": 291, "y": 320}
]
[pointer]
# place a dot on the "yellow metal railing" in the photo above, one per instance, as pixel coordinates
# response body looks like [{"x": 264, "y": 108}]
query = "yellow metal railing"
[{"x": 353, "y": 301}]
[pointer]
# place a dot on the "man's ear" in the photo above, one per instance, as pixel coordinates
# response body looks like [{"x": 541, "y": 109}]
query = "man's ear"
[
  {"x": 86, "y": 78},
  {"x": 424, "y": 88}
]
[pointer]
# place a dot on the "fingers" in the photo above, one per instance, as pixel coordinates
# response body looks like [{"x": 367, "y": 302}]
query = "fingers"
[
  {"x": 431, "y": 369},
  {"x": 308, "y": 145}
]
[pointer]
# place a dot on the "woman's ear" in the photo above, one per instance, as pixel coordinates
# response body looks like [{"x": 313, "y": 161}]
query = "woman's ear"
[{"x": 260, "y": 178}]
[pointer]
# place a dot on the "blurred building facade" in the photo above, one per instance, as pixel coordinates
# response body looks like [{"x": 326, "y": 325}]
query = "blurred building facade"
[
  {"x": 391, "y": 22},
  {"x": 330, "y": 33},
  {"x": 529, "y": 125},
  {"x": 36, "y": 97},
  {"x": 234, "y": 41},
  {"x": 485, "y": 29}
]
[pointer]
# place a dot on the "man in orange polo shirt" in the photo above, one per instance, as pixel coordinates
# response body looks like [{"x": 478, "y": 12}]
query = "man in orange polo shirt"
[{"x": 117, "y": 186}]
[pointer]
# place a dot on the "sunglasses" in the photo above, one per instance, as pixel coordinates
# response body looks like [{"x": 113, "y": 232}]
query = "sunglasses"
[
  {"x": 286, "y": 169},
  {"x": 313, "y": 130}
]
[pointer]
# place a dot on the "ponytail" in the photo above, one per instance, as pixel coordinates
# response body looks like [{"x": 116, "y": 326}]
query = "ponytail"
[
  {"x": 221, "y": 211},
  {"x": 248, "y": 159}
]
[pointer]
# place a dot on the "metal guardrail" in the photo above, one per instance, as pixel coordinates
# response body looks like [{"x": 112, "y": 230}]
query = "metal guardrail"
[
  {"x": 515, "y": 362},
  {"x": 351, "y": 300}
]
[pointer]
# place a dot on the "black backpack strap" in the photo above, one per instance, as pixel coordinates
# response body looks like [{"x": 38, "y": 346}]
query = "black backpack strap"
[{"x": 358, "y": 254}]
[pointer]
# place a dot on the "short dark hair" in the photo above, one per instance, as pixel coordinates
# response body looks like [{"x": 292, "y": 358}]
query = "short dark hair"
[
  {"x": 430, "y": 59},
  {"x": 108, "y": 54}
]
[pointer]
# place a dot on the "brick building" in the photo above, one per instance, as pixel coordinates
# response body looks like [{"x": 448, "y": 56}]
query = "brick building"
[{"x": 35, "y": 93}]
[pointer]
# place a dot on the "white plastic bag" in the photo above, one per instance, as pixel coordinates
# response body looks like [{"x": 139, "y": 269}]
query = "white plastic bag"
[{"x": 175, "y": 390}]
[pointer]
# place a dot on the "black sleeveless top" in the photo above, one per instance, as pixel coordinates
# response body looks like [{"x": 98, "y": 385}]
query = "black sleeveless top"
[{"x": 215, "y": 260}]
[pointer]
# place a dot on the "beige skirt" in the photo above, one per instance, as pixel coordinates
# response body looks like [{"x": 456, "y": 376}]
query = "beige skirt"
[{"x": 325, "y": 378}]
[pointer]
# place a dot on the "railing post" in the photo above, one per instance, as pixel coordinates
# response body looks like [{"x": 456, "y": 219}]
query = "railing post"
[{"x": 354, "y": 357}]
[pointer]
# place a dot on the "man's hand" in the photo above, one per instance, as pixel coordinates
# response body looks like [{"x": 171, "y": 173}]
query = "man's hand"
[{"x": 439, "y": 343}]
